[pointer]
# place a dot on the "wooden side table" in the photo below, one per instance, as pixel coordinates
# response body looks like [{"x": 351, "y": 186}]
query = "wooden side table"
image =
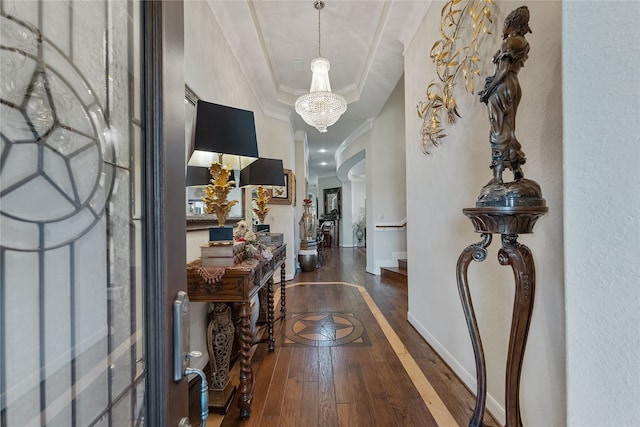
[{"x": 239, "y": 284}]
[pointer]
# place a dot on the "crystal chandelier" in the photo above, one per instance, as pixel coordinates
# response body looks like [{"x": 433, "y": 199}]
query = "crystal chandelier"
[{"x": 320, "y": 107}]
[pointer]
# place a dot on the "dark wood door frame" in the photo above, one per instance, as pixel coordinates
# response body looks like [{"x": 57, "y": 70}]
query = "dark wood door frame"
[{"x": 163, "y": 106}]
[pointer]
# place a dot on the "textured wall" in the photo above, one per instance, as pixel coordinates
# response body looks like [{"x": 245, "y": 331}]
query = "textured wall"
[
  {"x": 602, "y": 211},
  {"x": 439, "y": 186}
]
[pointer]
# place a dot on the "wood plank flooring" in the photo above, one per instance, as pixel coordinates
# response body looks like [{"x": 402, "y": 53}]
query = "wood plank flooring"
[{"x": 387, "y": 376}]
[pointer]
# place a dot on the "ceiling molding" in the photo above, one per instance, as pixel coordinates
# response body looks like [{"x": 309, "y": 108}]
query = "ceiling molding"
[
  {"x": 384, "y": 16},
  {"x": 361, "y": 130},
  {"x": 364, "y": 40}
]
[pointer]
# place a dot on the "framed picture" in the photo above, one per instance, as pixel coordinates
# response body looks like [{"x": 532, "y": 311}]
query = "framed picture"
[{"x": 283, "y": 195}]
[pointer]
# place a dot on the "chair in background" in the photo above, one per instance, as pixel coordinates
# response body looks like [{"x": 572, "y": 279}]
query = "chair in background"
[{"x": 320, "y": 242}]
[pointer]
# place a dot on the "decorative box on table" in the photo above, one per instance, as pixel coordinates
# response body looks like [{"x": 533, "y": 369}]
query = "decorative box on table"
[
  {"x": 272, "y": 240},
  {"x": 222, "y": 254}
]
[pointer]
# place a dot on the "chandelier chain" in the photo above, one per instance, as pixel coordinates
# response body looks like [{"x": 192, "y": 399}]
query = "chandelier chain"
[
  {"x": 319, "y": 4},
  {"x": 319, "y": 32}
]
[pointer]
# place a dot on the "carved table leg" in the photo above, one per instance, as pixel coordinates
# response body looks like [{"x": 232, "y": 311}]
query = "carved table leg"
[
  {"x": 283, "y": 299},
  {"x": 246, "y": 373},
  {"x": 270, "y": 314},
  {"x": 476, "y": 252},
  {"x": 521, "y": 260}
]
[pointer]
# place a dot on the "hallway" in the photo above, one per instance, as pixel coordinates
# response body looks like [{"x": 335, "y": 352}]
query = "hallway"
[{"x": 346, "y": 356}]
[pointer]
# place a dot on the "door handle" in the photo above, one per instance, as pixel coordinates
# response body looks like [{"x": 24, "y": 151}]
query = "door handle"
[{"x": 204, "y": 392}]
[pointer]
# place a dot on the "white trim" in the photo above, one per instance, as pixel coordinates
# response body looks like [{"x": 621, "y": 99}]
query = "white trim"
[
  {"x": 288, "y": 275},
  {"x": 467, "y": 378},
  {"x": 379, "y": 263},
  {"x": 361, "y": 130},
  {"x": 393, "y": 262}
]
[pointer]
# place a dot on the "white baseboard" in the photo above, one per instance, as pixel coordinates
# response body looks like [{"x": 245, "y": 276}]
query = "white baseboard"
[
  {"x": 393, "y": 262},
  {"x": 467, "y": 378},
  {"x": 287, "y": 276},
  {"x": 380, "y": 263}
]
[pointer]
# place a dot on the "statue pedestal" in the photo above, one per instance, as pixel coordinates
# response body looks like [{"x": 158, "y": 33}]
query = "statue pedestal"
[{"x": 508, "y": 222}]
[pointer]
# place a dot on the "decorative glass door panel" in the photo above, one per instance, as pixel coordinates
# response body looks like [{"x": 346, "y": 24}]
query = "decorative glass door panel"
[{"x": 71, "y": 223}]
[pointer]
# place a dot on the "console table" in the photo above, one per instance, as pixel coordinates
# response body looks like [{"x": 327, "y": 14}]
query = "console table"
[{"x": 239, "y": 284}]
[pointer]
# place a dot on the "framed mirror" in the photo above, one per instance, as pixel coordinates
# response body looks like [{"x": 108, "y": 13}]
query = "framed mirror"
[
  {"x": 332, "y": 201},
  {"x": 196, "y": 218}
]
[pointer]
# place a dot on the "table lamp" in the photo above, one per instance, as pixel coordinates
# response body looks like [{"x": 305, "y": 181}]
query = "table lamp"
[
  {"x": 262, "y": 173},
  {"x": 223, "y": 139}
]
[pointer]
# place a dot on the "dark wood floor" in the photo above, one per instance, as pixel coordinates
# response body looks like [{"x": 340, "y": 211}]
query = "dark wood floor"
[{"x": 360, "y": 383}]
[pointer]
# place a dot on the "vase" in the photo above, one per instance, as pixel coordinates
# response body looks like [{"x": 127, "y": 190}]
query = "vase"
[
  {"x": 219, "y": 343},
  {"x": 307, "y": 228}
]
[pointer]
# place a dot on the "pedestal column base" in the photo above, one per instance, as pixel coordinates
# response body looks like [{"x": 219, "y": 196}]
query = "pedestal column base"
[{"x": 509, "y": 222}]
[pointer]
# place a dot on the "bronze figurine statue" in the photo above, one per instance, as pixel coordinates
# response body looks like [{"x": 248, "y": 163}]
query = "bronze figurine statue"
[{"x": 502, "y": 95}]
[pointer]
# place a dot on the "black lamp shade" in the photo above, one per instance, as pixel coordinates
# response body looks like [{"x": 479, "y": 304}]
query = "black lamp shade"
[
  {"x": 263, "y": 172},
  {"x": 197, "y": 175},
  {"x": 224, "y": 130}
]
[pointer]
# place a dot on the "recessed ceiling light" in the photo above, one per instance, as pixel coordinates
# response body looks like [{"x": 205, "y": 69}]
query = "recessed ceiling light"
[
  {"x": 323, "y": 163},
  {"x": 322, "y": 150}
]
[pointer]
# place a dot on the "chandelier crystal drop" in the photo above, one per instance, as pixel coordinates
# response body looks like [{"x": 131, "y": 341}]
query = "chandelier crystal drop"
[{"x": 320, "y": 107}]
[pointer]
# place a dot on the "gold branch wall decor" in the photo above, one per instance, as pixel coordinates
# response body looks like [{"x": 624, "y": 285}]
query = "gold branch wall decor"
[{"x": 454, "y": 57}]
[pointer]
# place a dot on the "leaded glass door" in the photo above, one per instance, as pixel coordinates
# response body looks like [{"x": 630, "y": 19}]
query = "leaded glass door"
[{"x": 81, "y": 261}]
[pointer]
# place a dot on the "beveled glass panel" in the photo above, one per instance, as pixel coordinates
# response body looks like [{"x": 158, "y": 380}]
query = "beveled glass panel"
[{"x": 71, "y": 253}]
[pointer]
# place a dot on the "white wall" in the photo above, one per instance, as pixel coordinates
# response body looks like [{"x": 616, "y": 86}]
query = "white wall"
[
  {"x": 359, "y": 195},
  {"x": 386, "y": 189},
  {"x": 601, "y": 106},
  {"x": 439, "y": 186},
  {"x": 301, "y": 168},
  {"x": 213, "y": 73},
  {"x": 358, "y": 199},
  {"x": 346, "y": 223},
  {"x": 349, "y": 156}
]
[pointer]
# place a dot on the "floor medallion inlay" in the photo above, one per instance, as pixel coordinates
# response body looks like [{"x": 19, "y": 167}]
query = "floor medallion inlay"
[{"x": 324, "y": 329}]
